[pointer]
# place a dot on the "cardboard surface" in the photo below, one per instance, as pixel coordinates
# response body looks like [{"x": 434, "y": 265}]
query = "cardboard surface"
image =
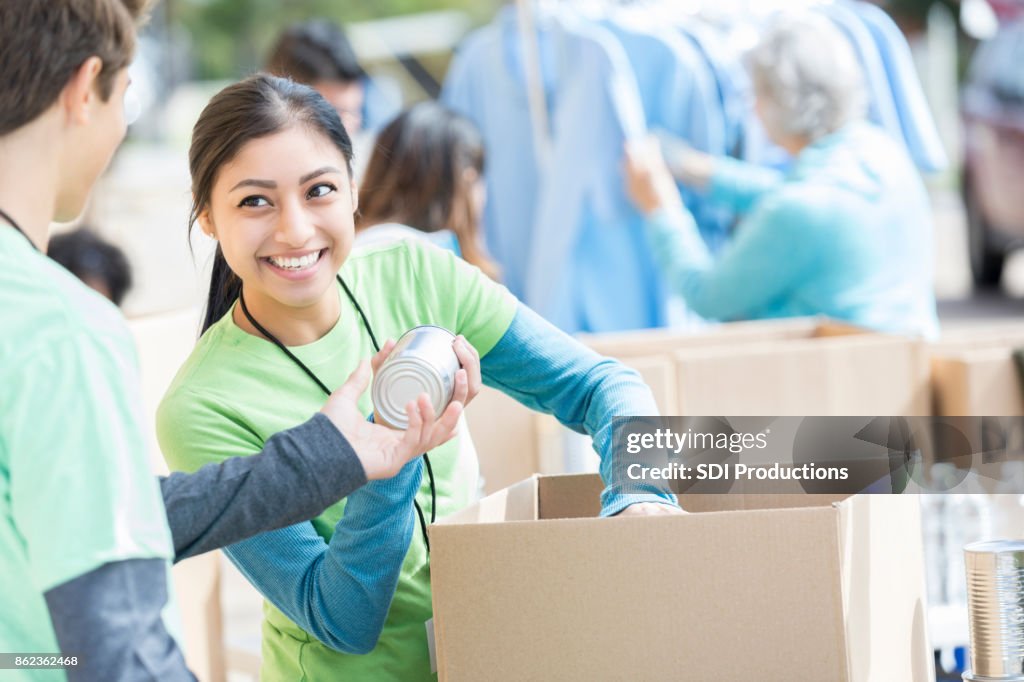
[
  {"x": 652, "y": 341},
  {"x": 823, "y": 590},
  {"x": 506, "y": 437},
  {"x": 790, "y": 367},
  {"x": 974, "y": 374},
  {"x": 859, "y": 374}
]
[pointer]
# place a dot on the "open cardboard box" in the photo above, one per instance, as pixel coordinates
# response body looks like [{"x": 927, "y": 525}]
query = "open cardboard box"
[{"x": 529, "y": 585}]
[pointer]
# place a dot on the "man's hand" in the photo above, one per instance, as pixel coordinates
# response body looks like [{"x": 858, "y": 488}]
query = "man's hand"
[
  {"x": 650, "y": 509},
  {"x": 383, "y": 451}
]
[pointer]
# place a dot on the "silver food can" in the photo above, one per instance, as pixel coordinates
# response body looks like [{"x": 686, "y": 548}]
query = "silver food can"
[
  {"x": 995, "y": 602},
  {"x": 423, "y": 361}
]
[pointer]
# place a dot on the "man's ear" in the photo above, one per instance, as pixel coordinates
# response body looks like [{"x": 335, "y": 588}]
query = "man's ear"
[
  {"x": 355, "y": 195},
  {"x": 81, "y": 93}
]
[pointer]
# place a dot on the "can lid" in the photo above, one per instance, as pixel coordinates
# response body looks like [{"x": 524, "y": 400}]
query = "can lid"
[
  {"x": 995, "y": 546},
  {"x": 399, "y": 383},
  {"x": 430, "y": 326}
]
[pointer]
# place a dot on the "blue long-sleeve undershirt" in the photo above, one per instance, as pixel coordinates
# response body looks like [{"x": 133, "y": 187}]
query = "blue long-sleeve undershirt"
[
  {"x": 547, "y": 370},
  {"x": 339, "y": 591}
]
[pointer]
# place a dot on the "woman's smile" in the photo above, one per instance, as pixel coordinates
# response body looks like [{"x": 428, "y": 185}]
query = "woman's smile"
[{"x": 299, "y": 265}]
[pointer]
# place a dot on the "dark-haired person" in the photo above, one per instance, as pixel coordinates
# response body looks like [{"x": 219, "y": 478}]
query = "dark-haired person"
[
  {"x": 100, "y": 265},
  {"x": 86, "y": 533},
  {"x": 318, "y": 53},
  {"x": 425, "y": 178},
  {"x": 292, "y": 307}
]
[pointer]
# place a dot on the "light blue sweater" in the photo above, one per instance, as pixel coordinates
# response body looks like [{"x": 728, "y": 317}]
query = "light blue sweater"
[{"x": 846, "y": 233}]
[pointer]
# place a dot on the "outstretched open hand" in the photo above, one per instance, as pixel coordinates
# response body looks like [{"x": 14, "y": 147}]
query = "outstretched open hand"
[{"x": 382, "y": 450}]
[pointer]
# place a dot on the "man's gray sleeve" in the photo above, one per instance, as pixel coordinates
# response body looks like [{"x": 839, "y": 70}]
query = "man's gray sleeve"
[
  {"x": 298, "y": 474},
  {"x": 110, "y": 618}
]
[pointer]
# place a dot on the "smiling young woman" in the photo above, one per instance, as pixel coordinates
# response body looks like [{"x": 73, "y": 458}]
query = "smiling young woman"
[{"x": 292, "y": 309}]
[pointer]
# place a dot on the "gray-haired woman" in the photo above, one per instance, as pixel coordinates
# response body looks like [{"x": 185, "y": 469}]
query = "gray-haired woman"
[{"x": 847, "y": 232}]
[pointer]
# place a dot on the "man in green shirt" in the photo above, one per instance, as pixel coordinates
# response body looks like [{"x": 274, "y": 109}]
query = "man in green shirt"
[{"x": 85, "y": 538}]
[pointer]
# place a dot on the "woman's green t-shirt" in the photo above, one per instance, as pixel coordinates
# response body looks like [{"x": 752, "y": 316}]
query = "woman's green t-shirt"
[{"x": 236, "y": 390}]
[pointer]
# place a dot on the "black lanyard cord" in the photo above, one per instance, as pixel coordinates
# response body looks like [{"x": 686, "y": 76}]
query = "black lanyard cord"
[
  {"x": 14, "y": 223},
  {"x": 373, "y": 339}
]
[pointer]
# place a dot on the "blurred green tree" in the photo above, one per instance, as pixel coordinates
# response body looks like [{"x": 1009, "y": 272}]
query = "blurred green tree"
[
  {"x": 912, "y": 14},
  {"x": 229, "y": 38}
]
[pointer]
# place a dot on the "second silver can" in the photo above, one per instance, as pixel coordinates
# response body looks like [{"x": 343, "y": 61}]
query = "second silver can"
[{"x": 423, "y": 361}]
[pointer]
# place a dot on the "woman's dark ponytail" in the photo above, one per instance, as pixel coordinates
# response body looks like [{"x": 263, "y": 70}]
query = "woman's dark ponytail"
[
  {"x": 258, "y": 106},
  {"x": 225, "y": 287}
]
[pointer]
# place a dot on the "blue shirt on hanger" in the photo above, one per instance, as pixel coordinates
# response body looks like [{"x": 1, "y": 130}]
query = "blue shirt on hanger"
[
  {"x": 881, "y": 104},
  {"x": 679, "y": 95},
  {"x": 591, "y": 266},
  {"x": 916, "y": 121},
  {"x": 486, "y": 82}
]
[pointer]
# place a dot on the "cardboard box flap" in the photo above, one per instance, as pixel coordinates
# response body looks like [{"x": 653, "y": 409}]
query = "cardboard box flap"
[
  {"x": 883, "y": 594},
  {"x": 700, "y": 504},
  {"x": 573, "y": 496},
  {"x": 517, "y": 503},
  {"x": 1001, "y": 334},
  {"x": 769, "y": 348},
  {"x": 650, "y": 342},
  {"x": 827, "y": 328},
  {"x": 978, "y": 353}
]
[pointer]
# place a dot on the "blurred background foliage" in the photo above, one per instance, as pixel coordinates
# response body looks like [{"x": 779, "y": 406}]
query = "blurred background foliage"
[{"x": 234, "y": 35}]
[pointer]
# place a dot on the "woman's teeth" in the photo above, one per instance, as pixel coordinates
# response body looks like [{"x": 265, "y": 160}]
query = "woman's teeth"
[{"x": 296, "y": 263}]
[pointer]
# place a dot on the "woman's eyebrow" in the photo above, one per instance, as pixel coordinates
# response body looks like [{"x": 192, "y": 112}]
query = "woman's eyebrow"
[
  {"x": 270, "y": 184},
  {"x": 265, "y": 184},
  {"x": 319, "y": 171}
]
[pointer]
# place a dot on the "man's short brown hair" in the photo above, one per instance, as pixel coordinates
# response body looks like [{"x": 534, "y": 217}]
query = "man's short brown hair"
[{"x": 43, "y": 43}]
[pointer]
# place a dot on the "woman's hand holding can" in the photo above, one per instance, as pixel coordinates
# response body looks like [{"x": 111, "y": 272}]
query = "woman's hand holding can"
[{"x": 469, "y": 358}]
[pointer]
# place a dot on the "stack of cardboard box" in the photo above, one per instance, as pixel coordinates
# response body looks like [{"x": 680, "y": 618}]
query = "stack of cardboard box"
[{"x": 798, "y": 367}]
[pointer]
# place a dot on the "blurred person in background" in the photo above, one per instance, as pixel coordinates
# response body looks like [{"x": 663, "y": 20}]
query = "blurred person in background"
[
  {"x": 319, "y": 54},
  {"x": 426, "y": 179},
  {"x": 100, "y": 265},
  {"x": 846, "y": 232},
  {"x": 291, "y": 308},
  {"x": 86, "y": 532}
]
